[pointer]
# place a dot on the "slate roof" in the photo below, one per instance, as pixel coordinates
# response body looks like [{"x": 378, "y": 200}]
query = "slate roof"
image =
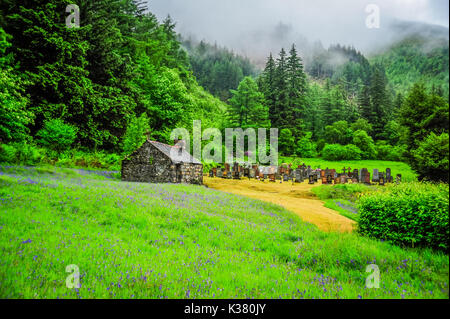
[{"x": 173, "y": 153}]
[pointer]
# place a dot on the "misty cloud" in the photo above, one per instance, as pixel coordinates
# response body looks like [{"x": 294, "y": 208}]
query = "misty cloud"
[{"x": 257, "y": 27}]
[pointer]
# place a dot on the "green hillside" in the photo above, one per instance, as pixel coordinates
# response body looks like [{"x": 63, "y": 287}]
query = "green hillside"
[{"x": 415, "y": 59}]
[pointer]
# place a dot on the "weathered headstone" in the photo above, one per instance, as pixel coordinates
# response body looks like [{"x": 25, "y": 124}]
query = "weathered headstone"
[
  {"x": 309, "y": 171},
  {"x": 398, "y": 179},
  {"x": 376, "y": 176},
  {"x": 211, "y": 173},
  {"x": 381, "y": 179},
  {"x": 388, "y": 175},
  {"x": 329, "y": 179},
  {"x": 324, "y": 181},
  {"x": 355, "y": 175},
  {"x": 219, "y": 173},
  {"x": 311, "y": 179},
  {"x": 343, "y": 179},
  {"x": 286, "y": 178},
  {"x": 365, "y": 176},
  {"x": 251, "y": 173},
  {"x": 272, "y": 178},
  {"x": 337, "y": 181}
]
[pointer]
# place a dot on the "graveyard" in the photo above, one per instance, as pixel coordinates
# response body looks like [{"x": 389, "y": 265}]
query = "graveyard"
[{"x": 292, "y": 188}]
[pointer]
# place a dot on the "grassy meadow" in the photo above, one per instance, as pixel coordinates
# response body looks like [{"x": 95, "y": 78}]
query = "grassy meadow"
[{"x": 134, "y": 240}]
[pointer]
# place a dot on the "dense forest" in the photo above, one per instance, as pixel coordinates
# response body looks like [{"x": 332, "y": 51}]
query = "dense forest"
[
  {"x": 123, "y": 74},
  {"x": 217, "y": 69}
]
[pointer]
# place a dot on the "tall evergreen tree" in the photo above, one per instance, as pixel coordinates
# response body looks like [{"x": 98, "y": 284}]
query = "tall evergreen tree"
[
  {"x": 246, "y": 108},
  {"x": 280, "y": 114},
  {"x": 295, "y": 112},
  {"x": 268, "y": 87},
  {"x": 379, "y": 102}
]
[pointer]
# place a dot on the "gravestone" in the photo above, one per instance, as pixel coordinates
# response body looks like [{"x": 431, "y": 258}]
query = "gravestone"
[
  {"x": 251, "y": 173},
  {"x": 219, "y": 173},
  {"x": 309, "y": 171},
  {"x": 367, "y": 178},
  {"x": 211, "y": 173},
  {"x": 286, "y": 178},
  {"x": 298, "y": 176},
  {"x": 215, "y": 171},
  {"x": 337, "y": 181},
  {"x": 329, "y": 179},
  {"x": 272, "y": 178},
  {"x": 398, "y": 179},
  {"x": 311, "y": 179},
  {"x": 355, "y": 175},
  {"x": 388, "y": 175},
  {"x": 376, "y": 176},
  {"x": 322, "y": 174},
  {"x": 324, "y": 181},
  {"x": 381, "y": 179}
]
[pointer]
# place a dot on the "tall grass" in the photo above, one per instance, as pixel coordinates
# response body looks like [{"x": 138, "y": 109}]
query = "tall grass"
[{"x": 134, "y": 240}]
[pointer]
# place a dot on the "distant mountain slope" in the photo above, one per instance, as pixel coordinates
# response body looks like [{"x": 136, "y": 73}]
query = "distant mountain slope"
[
  {"x": 217, "y": 69},
  {"x": 421, "y": 52}
]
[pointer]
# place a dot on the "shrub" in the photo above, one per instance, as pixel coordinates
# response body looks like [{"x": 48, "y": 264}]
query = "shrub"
[
  {"x": 56, "y": 135},
  {"x": 365, "y": 144},
  {"x": 411, "y": 214},
  {"x": 7, "y": 154},
  {"x": 134, "y": 135},
  {"x": 306, "y": 147},
  {"x": 430, "y": 159},
  {"x": 338, "y": 133},
  {"x": 286, "y": 142},
  {"x": 337, "y": 152},
  {"x": 24, "y": 154},
  {"x": 352, "y": 152},
  {"x": 388, "y": 152}
]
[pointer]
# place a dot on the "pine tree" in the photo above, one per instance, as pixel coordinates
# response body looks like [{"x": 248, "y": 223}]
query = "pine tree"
[
  {"x": 246, "y": 108},
  {"x": 295, "y": 113},
  {"x": 268, "y": 87},
  {"x": 280, "y": 114},
  {"x": 379, "y": 102}
]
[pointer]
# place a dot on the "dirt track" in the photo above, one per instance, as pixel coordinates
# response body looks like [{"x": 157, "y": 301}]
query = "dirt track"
[{"x": 297, "y": 198}]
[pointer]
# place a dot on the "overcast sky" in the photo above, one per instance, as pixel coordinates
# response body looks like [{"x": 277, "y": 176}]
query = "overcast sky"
[{"x": 254, "y": 25}]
